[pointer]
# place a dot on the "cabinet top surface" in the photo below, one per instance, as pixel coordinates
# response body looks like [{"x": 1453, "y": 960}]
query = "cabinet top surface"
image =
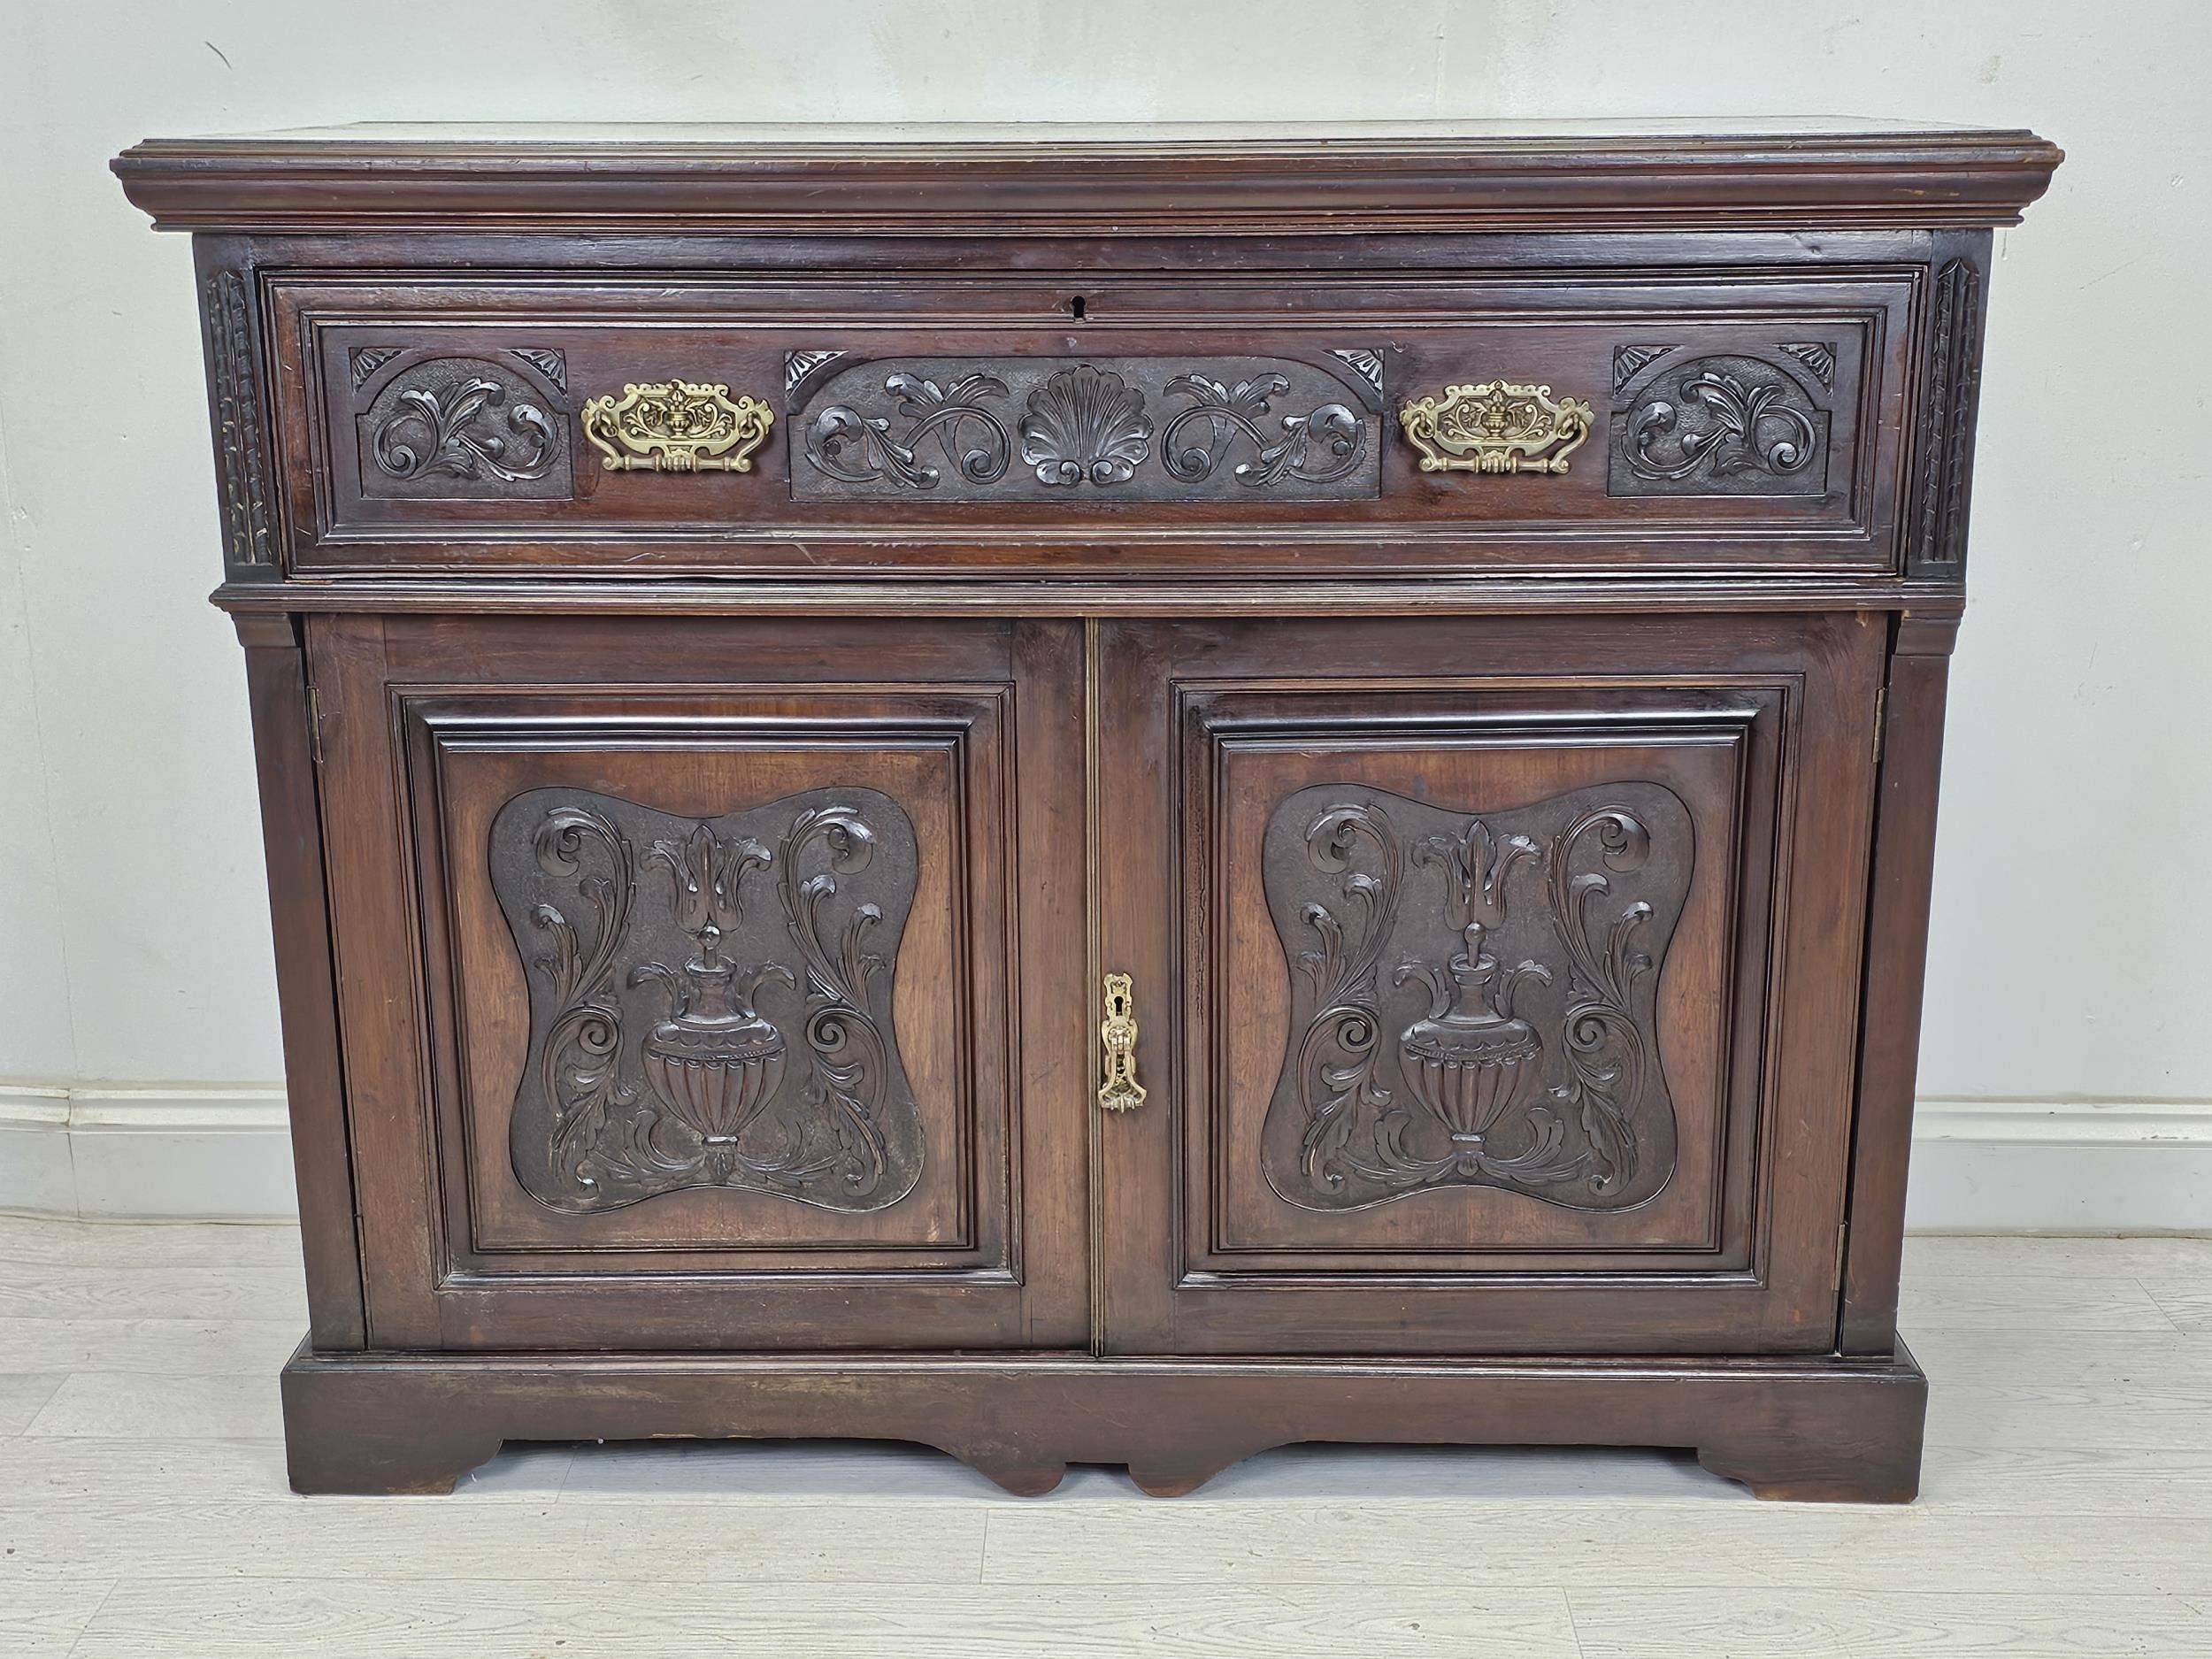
[{"x": 1177, "y": 178}]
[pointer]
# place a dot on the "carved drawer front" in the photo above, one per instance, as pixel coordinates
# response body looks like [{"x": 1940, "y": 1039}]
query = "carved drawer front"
[
  {"x": 665, "y": 425},
  {"x": 1494, "y": 1007},
  {"x": 716, "y": 985}
]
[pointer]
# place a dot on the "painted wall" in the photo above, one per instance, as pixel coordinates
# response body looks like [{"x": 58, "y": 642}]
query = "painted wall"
[{"x": 2069, "y": 956}]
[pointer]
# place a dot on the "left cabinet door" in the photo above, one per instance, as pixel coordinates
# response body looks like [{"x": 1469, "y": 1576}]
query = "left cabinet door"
[{"x": 709, "y": 983}]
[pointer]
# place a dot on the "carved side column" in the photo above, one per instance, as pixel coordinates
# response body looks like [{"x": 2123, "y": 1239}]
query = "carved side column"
[
  {"x": 1951, "y": 337},
  {"x": 245, "y": 481}
]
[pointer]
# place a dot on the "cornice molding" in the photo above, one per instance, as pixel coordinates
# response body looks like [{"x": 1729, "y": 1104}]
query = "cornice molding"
[{"x": 663, "y": 180}]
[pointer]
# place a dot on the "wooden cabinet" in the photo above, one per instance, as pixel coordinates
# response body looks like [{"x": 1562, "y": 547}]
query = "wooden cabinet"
[{"x": 1104, "y": 825}]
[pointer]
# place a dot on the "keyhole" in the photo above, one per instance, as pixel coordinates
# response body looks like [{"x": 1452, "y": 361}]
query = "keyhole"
[{"x": 1075, "y": 307}]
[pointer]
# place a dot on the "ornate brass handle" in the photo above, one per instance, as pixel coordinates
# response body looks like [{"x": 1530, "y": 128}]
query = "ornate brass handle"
[
  {"x": 1120, "y": 1091},
  {"x": 1495, "y": 428},
  {"x": 677, "y": 427}
]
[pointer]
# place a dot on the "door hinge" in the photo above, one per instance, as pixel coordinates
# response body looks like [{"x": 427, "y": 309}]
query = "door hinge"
[
  {"x": 315, "y": 726},
  {"x": 1843, "y": 1245},
  {"x": 1881, "y": 720}
]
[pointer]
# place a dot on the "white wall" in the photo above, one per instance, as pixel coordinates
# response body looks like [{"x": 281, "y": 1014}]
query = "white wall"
[{"x": 2069, "y": 962}]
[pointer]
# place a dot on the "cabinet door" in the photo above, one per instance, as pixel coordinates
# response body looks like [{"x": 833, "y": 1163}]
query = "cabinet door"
[
  {"x": 704, "y": 983},
  {"x": 1496, "y": 980}
]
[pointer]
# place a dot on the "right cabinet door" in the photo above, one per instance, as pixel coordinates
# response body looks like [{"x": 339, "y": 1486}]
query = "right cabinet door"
[{"x": 1495, "y": 979}]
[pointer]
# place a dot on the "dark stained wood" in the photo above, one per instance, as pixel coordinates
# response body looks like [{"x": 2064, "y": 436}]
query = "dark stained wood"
[
  {"x": 1762, "y": 727},
  {"x": 1031, "y": 181},
  {"x": 349, "y": 354},
  {"x": 285, "y": 742},
  {"x": 1896, "y": 973},
  {"x": 482, "y": 713},
  {"x": 1095, "y": 693},
  {"x": 1062, "y": 598},
  {"x": 1812, "y": 1429}
]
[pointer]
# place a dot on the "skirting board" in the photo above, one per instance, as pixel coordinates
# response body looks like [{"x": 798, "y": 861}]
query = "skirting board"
[
  {"x": 172, "y": 1153},
  {"x": 179, "y": 1153},
  {"x": 2061, "y": 1166}
]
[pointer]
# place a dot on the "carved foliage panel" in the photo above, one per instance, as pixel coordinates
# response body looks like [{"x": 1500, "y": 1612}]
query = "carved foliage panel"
[
  {"x": 1733, "y": 423},
  {"x": 1078, "y": 432},
  {"x": 711, "y": 1000},
  {"x": 464, "y": 427},
  {"x": 1474, "y": 994}
]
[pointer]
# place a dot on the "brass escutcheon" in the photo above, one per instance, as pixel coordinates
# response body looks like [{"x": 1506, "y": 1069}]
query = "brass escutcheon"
[{"x": 1120, "y": 1091}]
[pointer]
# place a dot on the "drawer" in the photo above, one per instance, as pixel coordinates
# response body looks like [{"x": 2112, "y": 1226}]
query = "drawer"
[{"x": 1737, "y": 422}]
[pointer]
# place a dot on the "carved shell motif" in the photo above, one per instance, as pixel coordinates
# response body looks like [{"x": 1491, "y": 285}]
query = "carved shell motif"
[{"x": 1085, "y": 423}]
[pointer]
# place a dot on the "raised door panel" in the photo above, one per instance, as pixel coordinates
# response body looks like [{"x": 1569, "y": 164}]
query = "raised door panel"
[
  {"x": 1502, "y": 1001},
  {"x": 715, "y": 980},
  {"x": 717, "y": 935},
  {"x": 1468, "y": 955}
]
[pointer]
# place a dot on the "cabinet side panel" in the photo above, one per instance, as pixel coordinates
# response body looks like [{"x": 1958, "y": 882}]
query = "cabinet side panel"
[
  {"x": 291, "y": 835},
  {"x": 1896, "y": 975}
]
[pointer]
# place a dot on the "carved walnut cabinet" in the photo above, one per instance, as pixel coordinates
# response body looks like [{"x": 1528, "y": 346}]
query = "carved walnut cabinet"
[{"x": 1108, "y": 797}]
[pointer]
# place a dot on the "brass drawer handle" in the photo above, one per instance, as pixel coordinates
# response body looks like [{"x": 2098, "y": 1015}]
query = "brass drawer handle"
[
  {"x": 1120, "y": 1092},
  {"x": 1495, "y": 428},
  {"x": 677, "y": 427}
]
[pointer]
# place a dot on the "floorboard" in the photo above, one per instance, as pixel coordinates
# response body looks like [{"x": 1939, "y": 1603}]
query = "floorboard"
[{"x": 2067, "y": 1508}]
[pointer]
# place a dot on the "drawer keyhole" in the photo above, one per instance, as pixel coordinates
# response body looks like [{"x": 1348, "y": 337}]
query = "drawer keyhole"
[{"x": 1075, "y": 307}]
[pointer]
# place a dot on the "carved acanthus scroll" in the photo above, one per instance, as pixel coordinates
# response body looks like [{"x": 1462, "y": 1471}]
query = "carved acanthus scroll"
[
  {"x": 1735, "y": 425},
  {"x": 1087, "y": 429},
  {"x": 458, "y": 426}
]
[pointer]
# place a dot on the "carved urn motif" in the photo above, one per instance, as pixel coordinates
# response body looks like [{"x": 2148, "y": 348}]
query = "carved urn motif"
[
  {"x": 1470, "y": 1060},
  {"x": 714, "y": 1063}
]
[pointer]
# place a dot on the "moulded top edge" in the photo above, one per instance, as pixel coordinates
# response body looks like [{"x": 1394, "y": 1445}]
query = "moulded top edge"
[{"x": 1197, "y": 177}]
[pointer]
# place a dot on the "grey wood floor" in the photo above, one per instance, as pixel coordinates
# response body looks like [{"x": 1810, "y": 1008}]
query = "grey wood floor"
[{"x": 2067, "y": 1508}]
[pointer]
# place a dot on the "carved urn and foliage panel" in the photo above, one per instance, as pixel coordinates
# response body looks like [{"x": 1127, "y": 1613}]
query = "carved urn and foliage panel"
[
  {"x": 1532, "y": 943},
  {"x": 721, "y": 980},
  {"x": 711, "y": 1000},
  {"x": 1476, "y": 980}
]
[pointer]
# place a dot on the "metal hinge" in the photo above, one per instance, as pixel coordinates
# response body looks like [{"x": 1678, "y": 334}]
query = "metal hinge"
[
  {"x": 315, "y": 726},
  {"x": 1843, "y": 1242},
  {"x": 1881, "y": 720}
]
